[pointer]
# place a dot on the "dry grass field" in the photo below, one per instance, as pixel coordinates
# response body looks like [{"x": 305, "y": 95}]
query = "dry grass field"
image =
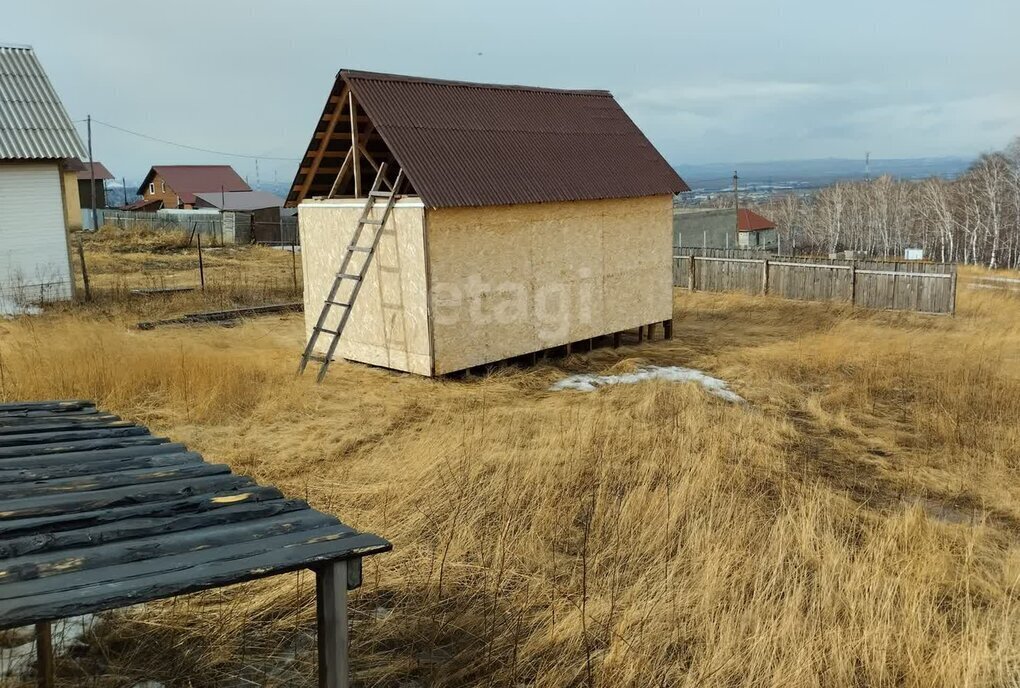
[{"x": 855, "y": 523}]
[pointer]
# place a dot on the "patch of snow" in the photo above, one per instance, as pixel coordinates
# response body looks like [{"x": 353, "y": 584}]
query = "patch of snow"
[
  {"x": 586, "y": 382},
  {"x": 20, "y": 659}
]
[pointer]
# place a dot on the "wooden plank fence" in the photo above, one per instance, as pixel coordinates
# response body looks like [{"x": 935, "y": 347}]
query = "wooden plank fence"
[{"x": 878, "y": 284}]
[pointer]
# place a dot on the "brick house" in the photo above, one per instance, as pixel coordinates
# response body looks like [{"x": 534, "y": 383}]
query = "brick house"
[{"x": 175, "y": 186}]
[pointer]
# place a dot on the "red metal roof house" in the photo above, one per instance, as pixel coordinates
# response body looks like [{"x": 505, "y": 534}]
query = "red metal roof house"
[
  {"x": 754, "y": 230},
  {"x": 175, "y": 186}
]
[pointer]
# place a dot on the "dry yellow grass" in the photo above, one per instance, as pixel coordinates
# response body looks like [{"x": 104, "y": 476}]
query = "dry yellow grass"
[
  {"x": 854, "y": 524},
  {"x": 121, "y": 260}
]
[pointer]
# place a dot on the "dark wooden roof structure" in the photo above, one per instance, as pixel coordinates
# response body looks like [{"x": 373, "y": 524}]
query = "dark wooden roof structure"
[
  {"x": 469, "y": 144},
  {"x": 97, "y": 513}
]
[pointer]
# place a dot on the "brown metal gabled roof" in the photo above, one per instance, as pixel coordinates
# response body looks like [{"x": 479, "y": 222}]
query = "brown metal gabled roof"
[{"x": 467, "y": 144}]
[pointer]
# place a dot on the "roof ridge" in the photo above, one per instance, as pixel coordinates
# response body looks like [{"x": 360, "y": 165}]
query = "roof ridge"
[{"x": 383, "y": 76}]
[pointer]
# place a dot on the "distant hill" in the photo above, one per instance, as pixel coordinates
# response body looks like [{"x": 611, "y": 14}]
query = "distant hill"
[
  {"x": 281, "y": 189},
  {"x": 806, "y": 174}
]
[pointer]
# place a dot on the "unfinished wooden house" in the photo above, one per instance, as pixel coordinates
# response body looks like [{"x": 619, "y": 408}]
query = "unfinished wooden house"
[{"x": 446, "y": 225}]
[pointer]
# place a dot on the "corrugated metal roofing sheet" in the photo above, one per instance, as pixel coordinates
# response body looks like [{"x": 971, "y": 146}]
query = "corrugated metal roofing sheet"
[
  {"x": 33, "y": 122},
  {"x": 467, "y": 144}
]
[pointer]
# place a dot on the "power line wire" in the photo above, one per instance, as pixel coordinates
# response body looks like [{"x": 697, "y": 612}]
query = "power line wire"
[{"x": 194, "y": 148}]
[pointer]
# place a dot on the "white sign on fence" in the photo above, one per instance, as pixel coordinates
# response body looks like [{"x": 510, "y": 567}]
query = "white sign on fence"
[{"x": 914, "y": 254}]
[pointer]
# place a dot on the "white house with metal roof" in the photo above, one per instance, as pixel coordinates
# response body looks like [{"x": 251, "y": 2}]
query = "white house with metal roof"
[{"x": 38, "y": 190}]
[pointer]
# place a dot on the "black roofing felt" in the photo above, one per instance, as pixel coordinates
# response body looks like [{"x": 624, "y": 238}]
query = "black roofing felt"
[{"x": 96, "y": 513}]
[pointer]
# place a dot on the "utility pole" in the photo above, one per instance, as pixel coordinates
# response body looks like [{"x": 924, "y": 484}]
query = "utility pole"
[
  {"x": 736, "y": 199},
  {"x": 867, "y": 166},
  {"x": 123, "y": 184},
  {"x": 92, "y": 177}
]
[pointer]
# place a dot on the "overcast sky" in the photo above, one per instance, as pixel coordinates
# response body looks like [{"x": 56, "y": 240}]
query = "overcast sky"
[{"x": 707, "y": 82}]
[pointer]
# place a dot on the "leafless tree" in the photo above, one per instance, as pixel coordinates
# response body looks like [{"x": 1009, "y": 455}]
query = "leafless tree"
[{"x": 974, "y": 218}]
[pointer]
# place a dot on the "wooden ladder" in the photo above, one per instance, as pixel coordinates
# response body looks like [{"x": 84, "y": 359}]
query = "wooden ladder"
[{"x": 352, "y": 278}]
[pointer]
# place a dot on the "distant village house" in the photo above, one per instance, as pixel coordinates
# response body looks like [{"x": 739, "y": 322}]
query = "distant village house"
[
  {"x": 176, "y": 186},
  {"x": 102, "y": 175},
  {"x": 724, "y": 228},
  {"x": 755, "y": 231}
]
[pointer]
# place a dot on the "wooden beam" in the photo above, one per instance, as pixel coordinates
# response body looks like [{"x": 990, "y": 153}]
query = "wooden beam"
[
  {"x": 70, "y": 457},
  {"x": 651, "y": 331},
  {"x": 161, "y": 543},
  {"x": 344, "y": 168},
  {"x": 16, "y": 475},
  {"x": 44, "y": 655},
  {"x": 331, "y": 617},
  {"x": 115, "y": 586},
  {"x": 375, "y": 166},
  {"x": 355, "y": 145},
  {"x": 317, "y": 158},
  {"x": 343, "y": 120},
  {"x": 103, "y": 518},
  {"x": 667, "y": 326},
  {"x": 77, "y": 445}
]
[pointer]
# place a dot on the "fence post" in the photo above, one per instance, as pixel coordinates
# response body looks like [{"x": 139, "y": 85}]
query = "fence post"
[
  {"x": 952, "y": 286},
  {"x": 201, "y": 265},
  {"x": 84, "y": 269},
  {"x": 853, "y": 282},
  {"x": 765, "y": 276},
  {"x": 692, "y": 274}
]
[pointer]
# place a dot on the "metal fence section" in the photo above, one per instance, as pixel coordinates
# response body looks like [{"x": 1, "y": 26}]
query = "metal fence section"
[
  {"x": 283, "y": 232},
  {"x": 878, "y": 284}
]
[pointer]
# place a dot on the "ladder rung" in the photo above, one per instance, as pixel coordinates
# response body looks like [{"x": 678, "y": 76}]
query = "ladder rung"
[
  {"x": 380, "y": 194},
  {"x": 332, "y": 332},
  {"x": 344, "y": 275},
  {"x": 371, "y": 221},
  {"x": 339, "y": 303},
  {"x": 359, "y": 249}
]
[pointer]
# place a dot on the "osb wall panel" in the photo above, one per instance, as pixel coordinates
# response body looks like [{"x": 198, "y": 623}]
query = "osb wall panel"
[
  {"x": 510, "y": 280},
  {"x": 389, "y": 322}
]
